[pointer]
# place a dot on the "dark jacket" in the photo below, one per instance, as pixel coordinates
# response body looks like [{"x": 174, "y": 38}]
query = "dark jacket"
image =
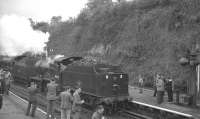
[
  {"x": 32, "y": 91},
  {"x": 2, "y": 86},
  {"x": 169, "y": 85},
  {"x": 51, "y": 91}
]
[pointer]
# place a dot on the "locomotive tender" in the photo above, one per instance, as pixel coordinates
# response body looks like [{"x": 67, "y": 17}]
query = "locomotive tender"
[{"x": 101, "y": 84}]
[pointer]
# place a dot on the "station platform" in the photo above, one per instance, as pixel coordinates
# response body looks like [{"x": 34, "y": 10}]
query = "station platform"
[
  {"x": 147, "y": 98},
  {"x": 15, "y": 108}
]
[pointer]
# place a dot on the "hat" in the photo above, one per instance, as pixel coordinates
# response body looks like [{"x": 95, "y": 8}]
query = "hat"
[{"x": 67, "y": 87}]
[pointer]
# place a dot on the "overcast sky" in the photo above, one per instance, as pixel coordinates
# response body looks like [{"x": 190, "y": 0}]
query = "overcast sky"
[{"x": 42, "y": 9}]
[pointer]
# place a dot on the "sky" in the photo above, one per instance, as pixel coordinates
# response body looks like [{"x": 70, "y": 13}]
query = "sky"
[
  {"x": 16, "y": 33},
  {"x": 42, "y": 10}
]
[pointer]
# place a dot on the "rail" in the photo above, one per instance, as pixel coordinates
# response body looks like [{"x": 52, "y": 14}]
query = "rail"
[{"x": 133, "y": 115}]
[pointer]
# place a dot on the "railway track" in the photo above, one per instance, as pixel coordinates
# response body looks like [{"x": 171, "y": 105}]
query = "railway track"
[
  {"x": 133, "y": 115},
  {"x": 123, "y": 114},
  {"x": 133, "y": 110}
]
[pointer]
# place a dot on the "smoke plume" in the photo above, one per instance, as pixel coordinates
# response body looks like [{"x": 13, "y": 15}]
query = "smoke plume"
[{"x": 17, "y": 36}]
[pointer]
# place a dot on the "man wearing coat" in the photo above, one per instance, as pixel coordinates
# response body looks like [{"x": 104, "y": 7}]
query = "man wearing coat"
[
  {"x": 77, "y": 103},
  {"x": 66, "y": 103},
  {"x": 32, "y": 104},
  {"x": 160, "y": 89},
  {"x": 51, "y": 98}
]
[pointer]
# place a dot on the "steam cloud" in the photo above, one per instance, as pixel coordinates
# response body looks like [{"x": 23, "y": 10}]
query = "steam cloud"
[{"x": 17, "y": 36}]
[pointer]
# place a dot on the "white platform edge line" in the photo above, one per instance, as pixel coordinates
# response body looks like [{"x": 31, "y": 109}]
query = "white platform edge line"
[
  {"x": 27, "y": 102},
  {"x": 164, "y": 109}
]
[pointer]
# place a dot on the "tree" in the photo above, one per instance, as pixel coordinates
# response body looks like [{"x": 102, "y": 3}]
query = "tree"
[
  {"x": 98, "y": 5},
  {"x": 55, "y": 20},
  {"x": 41, "y": 26},
  {"x": 93, "y": 4}
]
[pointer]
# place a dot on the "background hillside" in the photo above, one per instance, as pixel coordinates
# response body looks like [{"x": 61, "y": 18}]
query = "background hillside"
[{"x": 143, "y": 36}]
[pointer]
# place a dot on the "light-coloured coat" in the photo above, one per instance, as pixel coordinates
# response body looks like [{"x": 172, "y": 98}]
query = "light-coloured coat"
[{"x": 66, "y": 100}]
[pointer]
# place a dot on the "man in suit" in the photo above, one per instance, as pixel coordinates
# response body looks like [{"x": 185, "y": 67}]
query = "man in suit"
[
  {"x": 77, "y": 103},
  {"x": 51, "y": 98}
]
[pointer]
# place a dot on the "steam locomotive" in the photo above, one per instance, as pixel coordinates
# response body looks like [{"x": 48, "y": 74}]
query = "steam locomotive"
[{"x": 101, "y": 83}]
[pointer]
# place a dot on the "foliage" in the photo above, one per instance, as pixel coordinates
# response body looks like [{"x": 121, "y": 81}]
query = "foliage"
[{"x": 144, "y": 37}]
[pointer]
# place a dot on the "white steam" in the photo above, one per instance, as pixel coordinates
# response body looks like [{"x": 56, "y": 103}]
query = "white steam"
[
  {"x": 48, "y": 61},
  {"x": 17, "y": 36}
]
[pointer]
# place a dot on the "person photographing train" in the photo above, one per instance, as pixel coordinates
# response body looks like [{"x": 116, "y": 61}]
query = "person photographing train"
[
  {"x": 32, "y": 99},
  {"x": 77, "y": 102},
  {"x": 51, "y": 97}
]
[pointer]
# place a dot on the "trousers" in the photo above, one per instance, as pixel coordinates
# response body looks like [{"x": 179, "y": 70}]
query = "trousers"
[
  {"x": 31, "y": 108},
  {"x": 170, "y": 95},
  {"x": 7, "y": 87},
  {"x": 76, "y": 115},
  {"x": 65, "y": 113},
  {"x": 50, "y": 109},
  {"x": 155, "y": 92},
  {"x": 1, "y": 101},
  {"x": 160, "y": 95}
]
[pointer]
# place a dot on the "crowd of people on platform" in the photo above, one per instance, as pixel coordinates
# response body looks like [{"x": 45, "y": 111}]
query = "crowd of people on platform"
[
  {"x": 70, "y": 102},
  {"x": 160, "y": 85}
]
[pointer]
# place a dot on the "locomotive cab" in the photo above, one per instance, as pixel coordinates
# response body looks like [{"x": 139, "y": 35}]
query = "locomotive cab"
[{"x": 113, "y": 83}]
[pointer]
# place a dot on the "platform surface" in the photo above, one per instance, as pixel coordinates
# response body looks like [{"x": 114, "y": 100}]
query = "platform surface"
[
  {"x": 147, "y": 97},
  {"x": 14, "y": 108}
]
